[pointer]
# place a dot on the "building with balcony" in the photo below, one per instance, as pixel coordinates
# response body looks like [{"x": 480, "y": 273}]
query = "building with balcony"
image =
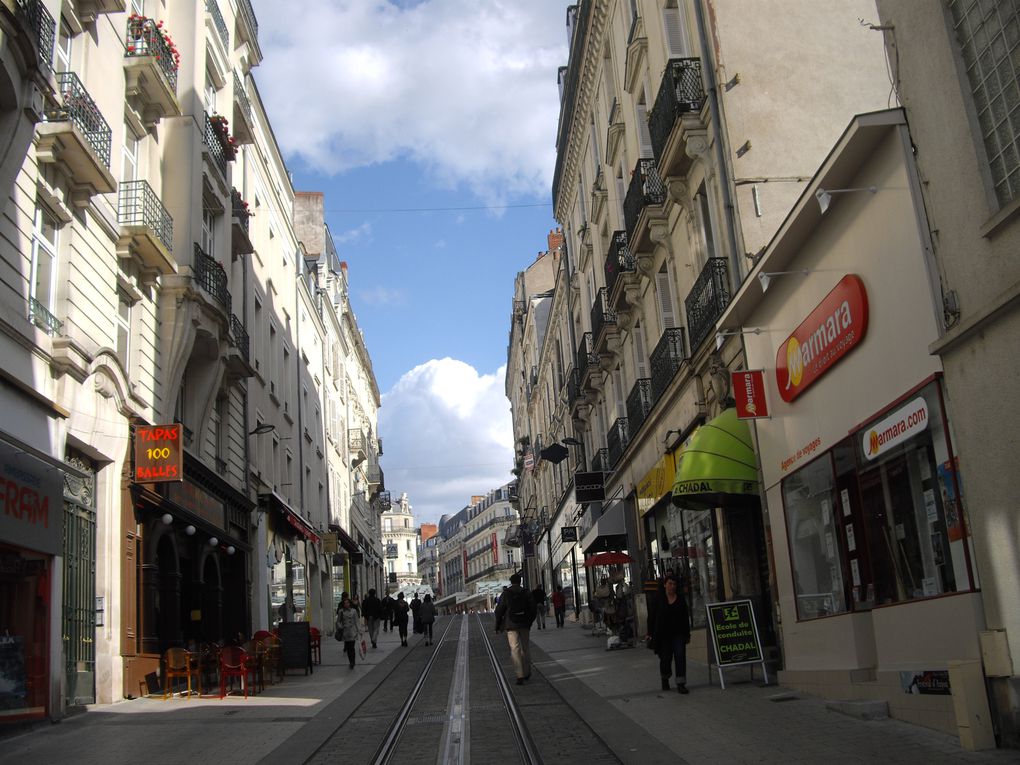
[{"x": 400, "y": 542}]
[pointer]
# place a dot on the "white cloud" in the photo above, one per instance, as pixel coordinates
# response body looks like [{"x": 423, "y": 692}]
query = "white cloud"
[
  {"x": 446, "y": 429},
  {"x": 466, "y": 89},
  {"x": 359, "y": 234},
  {"x": 382, "y": 296}
]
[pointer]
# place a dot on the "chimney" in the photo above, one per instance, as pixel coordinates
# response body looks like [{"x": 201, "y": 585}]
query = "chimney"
[{"x": 555, "y": 240}]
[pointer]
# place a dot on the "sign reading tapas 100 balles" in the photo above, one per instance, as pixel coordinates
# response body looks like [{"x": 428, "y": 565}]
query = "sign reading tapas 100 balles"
[{"x": 158, "y": 453}]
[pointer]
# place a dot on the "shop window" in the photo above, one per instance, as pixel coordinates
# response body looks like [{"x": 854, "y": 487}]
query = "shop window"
[{"x": 814, "y": 541}]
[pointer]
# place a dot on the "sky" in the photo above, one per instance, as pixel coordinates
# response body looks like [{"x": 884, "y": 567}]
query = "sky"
[{"x": 430, "y": 126}]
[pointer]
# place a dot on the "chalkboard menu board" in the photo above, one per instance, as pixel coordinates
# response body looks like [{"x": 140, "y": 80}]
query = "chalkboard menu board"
[
  {"x": 734, "y": 636},
  {"x": 296, "y": 646}
]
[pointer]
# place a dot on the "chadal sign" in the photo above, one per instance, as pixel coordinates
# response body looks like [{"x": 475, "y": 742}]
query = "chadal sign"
[{"x": 831, "y": 330}]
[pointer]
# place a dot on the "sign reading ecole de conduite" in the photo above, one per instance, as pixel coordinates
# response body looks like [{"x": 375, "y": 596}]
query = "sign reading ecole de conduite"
[
  {"x": 158, "y": 453},
  {"x": 836, "y": 325}
]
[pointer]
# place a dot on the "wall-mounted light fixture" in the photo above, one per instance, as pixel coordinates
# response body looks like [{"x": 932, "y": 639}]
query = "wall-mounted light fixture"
[
  {"x": 189, "y": 530},
  {"x": 167, "y": 519},
  {"x": 262, "y": 427},
  {"x": 213, "y": 541},
  {"x": 231, "y": 550},
  {"x": 824, "y": 196},
  {"x": 765, "y": 277},
  {"x": 720, "y": 336}
]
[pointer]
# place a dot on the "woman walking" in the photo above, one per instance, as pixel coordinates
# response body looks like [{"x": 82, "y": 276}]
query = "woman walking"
[
  {"x": 348, "y": 624},
  {"x": 672, "y": 633},
  {"x": 400, "y": 614},
  {"x": 427, "y": 615}
]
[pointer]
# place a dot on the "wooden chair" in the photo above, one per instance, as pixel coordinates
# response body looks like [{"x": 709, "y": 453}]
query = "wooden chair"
[
  {"x": 315, "y": 637},
  {"x": 177, "y": 663},
  {"x": 233, "y": 663},
  {"x": 208, "y": 666}
]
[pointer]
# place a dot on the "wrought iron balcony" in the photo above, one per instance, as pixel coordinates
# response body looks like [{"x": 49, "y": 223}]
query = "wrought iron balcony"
[
  {"x": 239, "y": 209},
  {"x": 618, "y": 261},
  {"x": 601, "y": 318},
  {"x": 357, "y": 443},
  {"x": 665, "y": 360},
  {"x": 707, "y": 300},
  {"x": 600, "y": 461},
  {"x": 240, "y": 238},
  {"x": 248, "y": 27},
  {"x": 77, "y": 138},
  {"x": 639, "y": 404},
  {"x": 146, "y": 225},
  {"x": 383, "y": 500},
  {"x": 617, "y": 440},
  {"x": 586, "y": 358},
  {"x": 680, "y": 92},
  {"x": 145, "y": 38},
  {"x": 244, "y": 122},
  {"x": 212, "y": 278},
  {"x": 213, "y": 9},
  {"x": 573, "y": 387},
  {"x": 41, "y": 316},
  {"x": 217, "y": 142},
  {"x": 39, "y": 22},
  {"x": 79, "y": 109},
  {"x": 646, "y": 188},
  {"x": 239, "y": 338}
]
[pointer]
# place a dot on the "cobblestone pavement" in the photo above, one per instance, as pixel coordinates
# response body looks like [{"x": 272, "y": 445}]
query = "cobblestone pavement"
[{"x": 615, "y": 692}]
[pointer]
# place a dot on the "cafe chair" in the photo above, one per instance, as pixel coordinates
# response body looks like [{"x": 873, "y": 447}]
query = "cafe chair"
[
  {"x": 274, "y": 661},
  {"x": 315, "y": 638},
  {"x": 233, "y": 663},
  {"x": 208, "y": 666},
  {"x": 178, "y": 663}
]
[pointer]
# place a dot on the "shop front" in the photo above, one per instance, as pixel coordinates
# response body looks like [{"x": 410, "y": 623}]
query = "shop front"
[
  {"x": 31, "y": 535},
  {"x": 876, "y": 577}
]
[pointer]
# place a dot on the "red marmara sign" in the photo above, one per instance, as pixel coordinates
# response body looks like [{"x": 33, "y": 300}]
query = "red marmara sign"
[{"x": 830, "y": 331}]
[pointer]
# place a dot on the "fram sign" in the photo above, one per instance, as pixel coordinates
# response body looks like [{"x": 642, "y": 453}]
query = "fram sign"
[
  {"x": 895, "y": 429},
  {"x": 31, "y": 502},
  {"x": 829, "y": 332}
]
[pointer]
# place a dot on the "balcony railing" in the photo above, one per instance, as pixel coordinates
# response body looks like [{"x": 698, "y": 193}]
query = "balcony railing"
[
  {"x": 617, "y": 440},
  {"x": 212, "y": 278},
  {"x": 586, "y": 358},
  {"x": 145, "y": 38},
  {"x": 42, "y": 318},
  {"x": 573, "y": 387},
  {"x": 600, "y": 461},
  {"x": 356, "y": 440},
  {"x": 707, "y": 300},
  {"x": 646, "y": 188},
  {"x": 34, "y": 16},
  {"x": 639, "y": 404},
  {"x": 619, "y": 261},
  {"x": 383, "y": 500},
  {"x": 239, "y": 338},
  {"x": 239, "y": 209},
  {"x": 244, "y": 6},
  {"x": 665, "y": 360},
  {"x": 242, "y": 98},
  {"x": 680, "y": 92},
  {"x": 221, "y": 26},
  {"x": 79, "y": 108},
  {"x": 601, "y": 316},
  {"x": 216, "y": 143},
  {"x": 139, "y": 205}
]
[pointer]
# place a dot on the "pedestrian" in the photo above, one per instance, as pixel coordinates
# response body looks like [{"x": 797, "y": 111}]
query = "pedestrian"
[
  {"x": 371, "y": 609},
  {"x": 427, "y": 616},
  {"x": 415, "y": 605},
  {"x": 348, "y": 624},
  {"x": 400, "y": 613},
  {"x": 387, "y": 612},
  {"x": 515, "y": 613},
  {"x": 541, "y": 605},
  {"x": 671, "y": 633},
  {"x": 559, "y": 601},
  {"x": 356, "y": 602}
]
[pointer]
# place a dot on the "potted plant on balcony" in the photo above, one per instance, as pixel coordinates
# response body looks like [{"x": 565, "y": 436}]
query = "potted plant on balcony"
[{"x": 221, "y": 129}]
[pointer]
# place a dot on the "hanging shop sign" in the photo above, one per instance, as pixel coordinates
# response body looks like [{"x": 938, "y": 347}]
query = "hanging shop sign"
[
  {"x": 590, "y": 487},
  {"x": 568, "y": 534},
  {"x": 902, "y": 424},
  {"x": 159, "y": 456},
  {"x": 748, "y": 389},
  {"x": 834, "y": 328}
]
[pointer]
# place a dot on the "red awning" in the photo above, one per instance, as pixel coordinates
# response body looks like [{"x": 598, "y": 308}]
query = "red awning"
[{"x": 302, "y": 526}]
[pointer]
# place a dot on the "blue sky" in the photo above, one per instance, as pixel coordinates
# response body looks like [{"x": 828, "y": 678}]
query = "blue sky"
[{"x": 430, "y": 126}]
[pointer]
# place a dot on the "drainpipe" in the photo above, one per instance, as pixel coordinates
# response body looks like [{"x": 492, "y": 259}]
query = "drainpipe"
[{"x": 712, "y": 90}]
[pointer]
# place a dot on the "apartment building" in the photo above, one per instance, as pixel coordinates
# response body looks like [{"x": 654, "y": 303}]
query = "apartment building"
[
  {"x": 165, "y": 353},
  {"x": 400, "y": 541}
]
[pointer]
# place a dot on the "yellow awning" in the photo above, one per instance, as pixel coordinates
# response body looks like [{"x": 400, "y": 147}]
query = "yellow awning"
[{"x": 718, "y": 465}]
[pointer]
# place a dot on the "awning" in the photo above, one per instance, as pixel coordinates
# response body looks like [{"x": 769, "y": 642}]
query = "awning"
[
  {"x": 718, "y": 465},
  {"x": 303, "y": 527},
  {"x": 346, "y": 540},
  {"x": 450, "y": 600},
  {"x": 609, "y": 531}
]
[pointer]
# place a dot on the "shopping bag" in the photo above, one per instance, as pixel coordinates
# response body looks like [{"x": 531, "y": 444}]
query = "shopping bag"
[{"x": 364, "y": 649}]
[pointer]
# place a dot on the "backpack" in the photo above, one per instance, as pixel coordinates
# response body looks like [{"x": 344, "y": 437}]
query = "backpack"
[{"x": 517, "y": 608}]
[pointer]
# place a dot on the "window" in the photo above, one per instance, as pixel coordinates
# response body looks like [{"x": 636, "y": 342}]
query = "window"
[
  {"x": 138, "y": 7},
  {"x": 209, "y": 232},
  {"x": 987, "y": 35},
  {"x": 222, "y": 431},
  {"x": 675, "y": 25},
  {"x": 62, "y": 50},
  {"x": 705, "y": 224},
  {"x": 44, "y": 259},
  {"x": 124, "y": 302},
  {"x": 664, "y": 297},
  {"x": 210, "y": 93},
  {"x": 129, "y": 155}
]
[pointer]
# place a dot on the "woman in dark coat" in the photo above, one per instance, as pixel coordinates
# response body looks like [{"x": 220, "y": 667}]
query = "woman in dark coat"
[
  {"x": 400, "y": 613},
  {"x": 672, "y": 633}
]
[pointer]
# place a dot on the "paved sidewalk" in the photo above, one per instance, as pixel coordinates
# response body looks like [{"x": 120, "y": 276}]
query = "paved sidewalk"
[{"x": 745, "y": 723}]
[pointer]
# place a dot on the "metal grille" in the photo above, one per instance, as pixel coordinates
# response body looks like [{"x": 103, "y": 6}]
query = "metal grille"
[
  {"x": 79, "y": 108},
  {"x": 639, "y": 404},
  {"x": 145, "y": 38},
  {"x": 601, "y": 317},
  {"x": 249, "y": 16},
  {"x": 707, "y": 300},
  {"x": 680, "y": 92},
  {"x": 35, "y": 16},
  {"x": 43, "y": 318},
  {"x": 665, "y": 359},
  {"x": 645, "y": 189},
  {"x": 617, "y": 440},
  {"x": 140, "y": 206},
  {"x": 221, "y": 26},
  {"x": 212, "y": 278},
  {"x": 989, "y": 38},
  {"x": 239, "y": 210},
  {"x": 79, "y": 618},
  {"x": 238, "y": 337},
  {"x": 619, "y": 260},
  {"x": 242, "y": 98},
  {"x": 585, "y": 358},
  {"x": 214, "y": 143}
]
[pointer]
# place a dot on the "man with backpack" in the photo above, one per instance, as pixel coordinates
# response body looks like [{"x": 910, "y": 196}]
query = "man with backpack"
[{"x": 515, "y": 613}]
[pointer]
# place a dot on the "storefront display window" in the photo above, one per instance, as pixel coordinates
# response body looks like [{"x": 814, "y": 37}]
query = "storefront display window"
[
  {"x": 887, "y": 501},
  {"x": 814, "y": 541},
  {"x": 24, "y": 614}
]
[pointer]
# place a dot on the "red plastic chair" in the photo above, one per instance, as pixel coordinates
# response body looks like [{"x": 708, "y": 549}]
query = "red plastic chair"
[
  {"x": 261, "y": 635},
  {"x": 316, "y": 642},
  {"x": 233, "y": 663}
]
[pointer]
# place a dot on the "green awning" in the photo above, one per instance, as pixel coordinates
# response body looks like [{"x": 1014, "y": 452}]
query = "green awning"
[{"x": 717, "y": 467}]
